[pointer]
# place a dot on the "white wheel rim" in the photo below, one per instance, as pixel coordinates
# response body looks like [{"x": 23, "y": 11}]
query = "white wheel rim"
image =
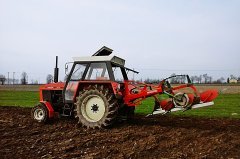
[
  {"x": 93, "y": 108},
  {"x": 39, "y": 114},
  {"x": 183, "y": 103}
]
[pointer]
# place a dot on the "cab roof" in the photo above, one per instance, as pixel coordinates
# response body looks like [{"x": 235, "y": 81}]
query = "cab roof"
[
  {"x": 112, "y": 59},
  {"x": 102, "y": 55}
]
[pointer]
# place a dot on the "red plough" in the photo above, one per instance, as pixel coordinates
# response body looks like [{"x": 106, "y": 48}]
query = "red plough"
[{"x": 176, "y": 100}]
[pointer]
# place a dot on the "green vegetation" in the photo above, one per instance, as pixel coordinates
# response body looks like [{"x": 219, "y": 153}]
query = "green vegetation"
[
  {"x": 226, "y": 105},
  {"x": 19, "y": 98}
]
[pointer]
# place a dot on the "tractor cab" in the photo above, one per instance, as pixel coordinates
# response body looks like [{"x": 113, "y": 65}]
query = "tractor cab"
[
  {"x": 106, "y": 70},
  {"x": 93, "y": 91}
]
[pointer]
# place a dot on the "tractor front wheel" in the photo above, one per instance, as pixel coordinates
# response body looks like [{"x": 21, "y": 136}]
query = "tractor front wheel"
[
  {"x": 96, "y": 107},
  {"x": 40, "y": 113}
]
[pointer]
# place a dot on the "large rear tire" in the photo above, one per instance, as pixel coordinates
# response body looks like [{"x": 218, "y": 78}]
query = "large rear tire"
[
  {"x": 40, "y": 113},
  {"x": 96, "y": 107}
]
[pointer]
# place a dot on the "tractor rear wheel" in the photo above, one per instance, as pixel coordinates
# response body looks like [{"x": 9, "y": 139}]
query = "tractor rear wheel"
[
  {"x": 40, "y": 113},
  {"x": 96, "y": 107}
]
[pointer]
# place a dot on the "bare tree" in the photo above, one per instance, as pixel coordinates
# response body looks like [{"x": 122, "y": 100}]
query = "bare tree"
[
  {"x": 220, "y": 80},
  {"x": 147, "y": 80},
  {"x": 233, "y": 77},
  {"x": 210, "y": 79},
  {"x": 196, "y": 78},
  {"x": 200, "y": 79},
  {"x": 205, "y": 76},
  {"x": 192, "y": 79},
  {"x": 49, "y": 78},
  {"x": 2, "y": 79},
  {"x": 33, "y": 81},
  {"x": 24, "y": 78}
]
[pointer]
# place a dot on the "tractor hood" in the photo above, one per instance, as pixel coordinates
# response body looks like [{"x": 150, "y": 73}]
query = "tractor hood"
[{"x": 53, "y": 86}]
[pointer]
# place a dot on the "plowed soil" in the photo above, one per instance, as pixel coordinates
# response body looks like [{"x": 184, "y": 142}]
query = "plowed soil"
[{"x": 153, "y": 137}]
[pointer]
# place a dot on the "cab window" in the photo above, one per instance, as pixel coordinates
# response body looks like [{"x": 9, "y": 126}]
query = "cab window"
[
  {"x": 118, "y": 74},
  {"x": 97, "y": 71},
  {"x": 78, "y": 71}
]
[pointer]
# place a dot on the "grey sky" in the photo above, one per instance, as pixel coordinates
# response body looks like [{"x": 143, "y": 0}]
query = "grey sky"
[{"x": 155, "y": 37}]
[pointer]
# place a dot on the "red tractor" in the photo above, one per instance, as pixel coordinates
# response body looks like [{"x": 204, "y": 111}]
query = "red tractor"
[{"x": 98, "y": 91}]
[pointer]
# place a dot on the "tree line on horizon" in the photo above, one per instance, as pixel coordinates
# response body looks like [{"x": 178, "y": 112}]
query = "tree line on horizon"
[{"x": 201, "y": 79}]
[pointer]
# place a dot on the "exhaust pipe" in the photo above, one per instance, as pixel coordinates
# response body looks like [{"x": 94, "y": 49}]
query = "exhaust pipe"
[{"x": 56, "y": 70}]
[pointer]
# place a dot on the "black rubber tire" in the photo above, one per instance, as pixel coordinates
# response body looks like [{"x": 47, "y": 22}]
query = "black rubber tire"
[
  {"x": 110, "y": 105},
  {"x": 39, "y": 113}
]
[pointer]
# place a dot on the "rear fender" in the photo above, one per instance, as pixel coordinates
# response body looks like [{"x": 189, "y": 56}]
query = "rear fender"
[
  {"x": 112, "y": 86},
  {"x": 49, "y": 108}
]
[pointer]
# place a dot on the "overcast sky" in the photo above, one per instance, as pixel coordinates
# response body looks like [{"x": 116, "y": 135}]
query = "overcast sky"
[{"x": 155, "y": 37}]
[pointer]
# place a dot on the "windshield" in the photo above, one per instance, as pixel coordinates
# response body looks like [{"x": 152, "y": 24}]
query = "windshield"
[
  {"x": 97, "y": 71},
  {"x": 78, "y": 71}
]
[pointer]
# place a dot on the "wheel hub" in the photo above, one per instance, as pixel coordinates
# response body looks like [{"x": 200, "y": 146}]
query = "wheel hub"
[
  {"x": 95, "y": 108},
  {"x": 181, "y": 100},
  {"x": 39, "y": 114}
]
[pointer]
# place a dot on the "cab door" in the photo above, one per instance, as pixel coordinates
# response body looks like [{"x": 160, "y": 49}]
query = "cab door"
[{"x": 76, "y": 75}]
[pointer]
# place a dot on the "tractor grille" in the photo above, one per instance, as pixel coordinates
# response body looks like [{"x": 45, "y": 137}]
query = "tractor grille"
[{"x": 47, "y": 95}]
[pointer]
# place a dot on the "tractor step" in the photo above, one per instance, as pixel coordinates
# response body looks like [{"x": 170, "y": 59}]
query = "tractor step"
[
  {"x": 65, "y": 115},
  {"x": 66, "y": 110},
  {"x": 161, "y": 111}
]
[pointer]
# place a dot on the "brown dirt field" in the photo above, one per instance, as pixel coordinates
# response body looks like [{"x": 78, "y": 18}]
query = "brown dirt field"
[
  {"x": 19, "y": 87},
  {"x": 154, "y": 137},
  {"x": 224, "y": 89}
]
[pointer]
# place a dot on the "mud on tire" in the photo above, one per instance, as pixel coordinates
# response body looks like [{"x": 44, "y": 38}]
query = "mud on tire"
[{"x": 96, "y": 107}]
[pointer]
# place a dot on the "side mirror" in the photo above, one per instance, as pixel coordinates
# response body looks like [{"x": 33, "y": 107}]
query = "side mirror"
[{"x": 67, "y": 65}]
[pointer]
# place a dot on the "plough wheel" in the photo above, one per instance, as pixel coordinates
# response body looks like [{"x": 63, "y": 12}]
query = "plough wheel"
[{"x": 96, "y": 107}]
